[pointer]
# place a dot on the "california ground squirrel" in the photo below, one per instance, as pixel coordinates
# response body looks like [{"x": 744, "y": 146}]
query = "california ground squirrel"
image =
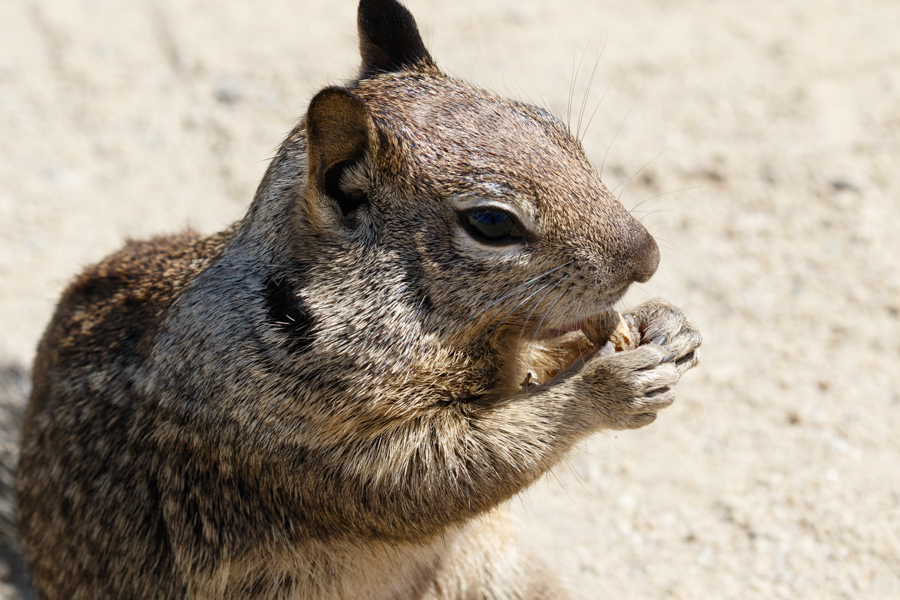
[{"x": 326, "y": 399}]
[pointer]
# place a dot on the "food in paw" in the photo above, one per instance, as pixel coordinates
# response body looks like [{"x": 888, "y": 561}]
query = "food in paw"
[{"x": 611, "y": 332}]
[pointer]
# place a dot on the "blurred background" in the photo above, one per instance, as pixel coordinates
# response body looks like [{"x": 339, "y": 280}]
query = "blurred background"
[{"x": 760, "y": 143}]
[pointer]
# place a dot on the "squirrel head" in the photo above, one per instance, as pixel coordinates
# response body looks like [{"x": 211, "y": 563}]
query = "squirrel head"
[{"x": 420, "y": 203}]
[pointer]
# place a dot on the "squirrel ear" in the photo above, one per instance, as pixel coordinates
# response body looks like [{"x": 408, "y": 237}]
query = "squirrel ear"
[
  {"x": 339, "y": 133},
  {"x": 389, "y": 39}
]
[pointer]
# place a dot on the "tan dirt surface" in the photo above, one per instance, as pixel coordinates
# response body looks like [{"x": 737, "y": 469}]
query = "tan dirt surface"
[{"x": 759, "y": 141}]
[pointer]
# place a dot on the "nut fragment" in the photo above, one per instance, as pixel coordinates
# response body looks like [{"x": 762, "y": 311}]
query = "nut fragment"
[{"x": 610, "y": 327}]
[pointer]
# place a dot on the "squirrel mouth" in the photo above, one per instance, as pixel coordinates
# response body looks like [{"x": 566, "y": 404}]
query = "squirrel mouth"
[
  {"x": 554, "y": 351},
  {"x": 555, "y": 332},
  {"x": 610, "y": 299}
]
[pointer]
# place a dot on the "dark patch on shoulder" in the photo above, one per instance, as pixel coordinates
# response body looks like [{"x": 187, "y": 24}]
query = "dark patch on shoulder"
[
  {"x": 288, "y": 313},
  {"x": 412, "y": 279}
]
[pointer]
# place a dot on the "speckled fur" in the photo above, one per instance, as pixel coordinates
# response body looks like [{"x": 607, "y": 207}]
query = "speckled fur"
[{"x": 315, "y": 404}]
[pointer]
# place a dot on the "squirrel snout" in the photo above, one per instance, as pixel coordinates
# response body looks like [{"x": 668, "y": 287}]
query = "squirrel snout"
[{"x": 642, "y": 255}]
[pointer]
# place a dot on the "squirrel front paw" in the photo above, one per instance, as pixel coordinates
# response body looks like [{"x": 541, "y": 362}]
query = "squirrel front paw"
[
  {"x": 629, "y": 387},
  {"x": 664, "y": 324}
]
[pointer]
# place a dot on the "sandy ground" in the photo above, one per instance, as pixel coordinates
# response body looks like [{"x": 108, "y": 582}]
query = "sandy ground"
[{"x": 762, "y": 145}]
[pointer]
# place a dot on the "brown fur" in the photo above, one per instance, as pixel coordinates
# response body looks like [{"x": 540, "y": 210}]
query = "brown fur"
[{"x": 324, "y": 401}]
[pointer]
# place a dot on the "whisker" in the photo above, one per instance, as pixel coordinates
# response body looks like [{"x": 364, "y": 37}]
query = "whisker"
[
  {"x": 655, "y": 212},
  {"x": 584, "y": 99},
  {"x": 596, "y": 108},
  {"x": 536, "y": 304},
  {"x": 530, "y": 281},
  {"x": 657, "y": 224},
  {"x": 566, "y": 310},
  {"x": 563, "y": 487},
  {"x": 587, "y": 92},
  {"x": 580, "y": 351},
  {"x": 664, "y": 194},
  {"x": 667, "y": 241},
  {"x": 572, "y": 88},
  {"x": 546, "y": 314},
  {"x": 510, "y": 311},
  {"x": 603, "y": 162},
  {"x": 627, "y": 183},
  {"x": 646, "y": 293},
  {"x": 671, "y": 247},
  {"x": 571, "y": 91}
]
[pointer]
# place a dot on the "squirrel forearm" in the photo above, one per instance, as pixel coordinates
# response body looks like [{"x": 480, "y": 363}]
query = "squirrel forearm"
[{"x": 458, "y": 460}]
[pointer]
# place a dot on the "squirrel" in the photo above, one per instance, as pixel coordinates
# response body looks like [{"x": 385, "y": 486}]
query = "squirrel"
[{"x": 326, "y": 400}]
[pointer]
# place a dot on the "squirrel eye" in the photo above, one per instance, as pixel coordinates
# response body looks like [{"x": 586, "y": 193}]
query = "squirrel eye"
[{"x": 491, "y": 225}]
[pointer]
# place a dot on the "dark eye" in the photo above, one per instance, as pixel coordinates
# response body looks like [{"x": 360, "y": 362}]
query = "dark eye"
[{"x": 491, "y": 225}]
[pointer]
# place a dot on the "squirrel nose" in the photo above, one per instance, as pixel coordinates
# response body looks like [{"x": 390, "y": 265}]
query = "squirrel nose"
[{"x": 642, "y": 255}]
